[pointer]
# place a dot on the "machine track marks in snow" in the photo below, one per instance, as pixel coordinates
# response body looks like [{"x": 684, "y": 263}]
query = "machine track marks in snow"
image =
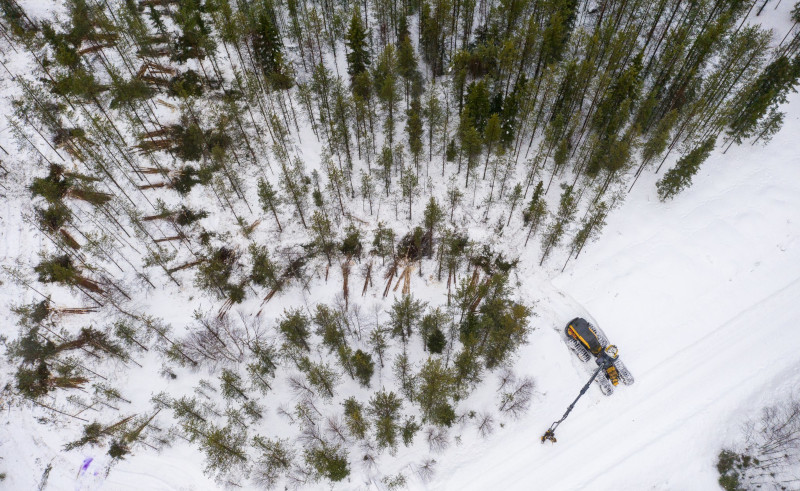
[{"x": 587, "y": 340}]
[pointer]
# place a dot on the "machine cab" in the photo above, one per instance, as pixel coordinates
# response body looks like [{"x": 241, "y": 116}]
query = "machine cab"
[{"x": 580, "y": 330}]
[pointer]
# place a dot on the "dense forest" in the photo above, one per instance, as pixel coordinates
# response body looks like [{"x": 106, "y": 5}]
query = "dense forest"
[{"x": 334, "y": 197}]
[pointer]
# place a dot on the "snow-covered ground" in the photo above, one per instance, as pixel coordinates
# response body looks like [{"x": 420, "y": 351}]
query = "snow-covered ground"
[{"x": 701, "y": 296}]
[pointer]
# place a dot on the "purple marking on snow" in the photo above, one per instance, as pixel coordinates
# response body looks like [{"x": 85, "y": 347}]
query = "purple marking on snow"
[{"x": 86, "y": 462}]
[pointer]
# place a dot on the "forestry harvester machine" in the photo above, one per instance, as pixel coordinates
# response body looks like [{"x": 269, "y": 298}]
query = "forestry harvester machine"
[{"x": 588, "y": 341}]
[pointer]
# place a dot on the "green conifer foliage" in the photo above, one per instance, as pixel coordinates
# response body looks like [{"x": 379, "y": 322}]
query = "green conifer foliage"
[
  {"x": 294, "y": 327},
  {"x": 364, "y": 367},
  {"x": 680, "y": 177},
  {"x": 358, "y": 59},
  {"x": 405, "y": 315},
  {"x": 767, "y": 91}
]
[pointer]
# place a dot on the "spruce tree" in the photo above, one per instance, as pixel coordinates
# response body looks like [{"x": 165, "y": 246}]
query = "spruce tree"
[
  {"x": 414, "y": 131},
  {"x": 267, "y": 43},
  {"x": 407, "y": 64},
  {"x": 364, "y": 367},
  {"x": 768, "y": 90},
  {"x": 567, "y": 207},
  {"x": 591, "y": 226},
  {"x": 680, "y": 177},
  {"x": 357, "y": 43}
]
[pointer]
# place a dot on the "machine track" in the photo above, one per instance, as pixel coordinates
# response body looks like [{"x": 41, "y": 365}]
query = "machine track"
[
  {"x": 582, "y": 353},
  {"x": 606, "y": 387},
  {"x": 624, "y": 374}
]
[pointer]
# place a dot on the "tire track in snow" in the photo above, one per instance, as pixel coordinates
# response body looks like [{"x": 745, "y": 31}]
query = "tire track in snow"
[
  {"x": 664, "y": 408},
  {"x": 705, "y": 359}
]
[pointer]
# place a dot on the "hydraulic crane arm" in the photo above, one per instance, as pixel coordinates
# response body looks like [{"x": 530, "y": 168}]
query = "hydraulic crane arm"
[{"x": 604, "y": 361}]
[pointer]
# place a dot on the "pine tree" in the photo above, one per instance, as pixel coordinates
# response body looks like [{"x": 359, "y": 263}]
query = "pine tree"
[
  {"x": 436, "y": 389},
  {"x": 367, "y": 189},
  {"x": 378, "y": 344},
  {"x": 432, "y": 113},
  {"x": 325, "y": 239},
  {"x": 513, "y": 200},
  {"x": 680, "y": 177},
  {"x": 383, "y": 242},
  {"x": 342, "y": 112},
  {"x": 385, "y": 79},
  {"x": 295, "y": 184},
  {"x": 355, "y": 419},
  {"x": 454, "y": 196},
  {"x": 329, "y": 327},
  {"x": 470, "y": 142},
  {"x": 231, "y": 385},
  {"x": 328, "y": 461},
  {"x": 386, "y": 165},
  {"x": 275, "y": 460},
  {"x": 409, "y": 184},
  {"x": 262, "y": 369},
  {"x": 320, "y": 376},
  {"x": 491, "y": 136},
  {"x": 385, "y": 409},
  {"x": 223, "y": 449},
  {"x": 294, "y": 327},
  {"x": 657, "y": 143},
  {"x": 432, "y": 218},
  {"x": 405, "y": 315},
  {"x": 269, "y": 199},
  {"x": 536, "y": 211}
]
